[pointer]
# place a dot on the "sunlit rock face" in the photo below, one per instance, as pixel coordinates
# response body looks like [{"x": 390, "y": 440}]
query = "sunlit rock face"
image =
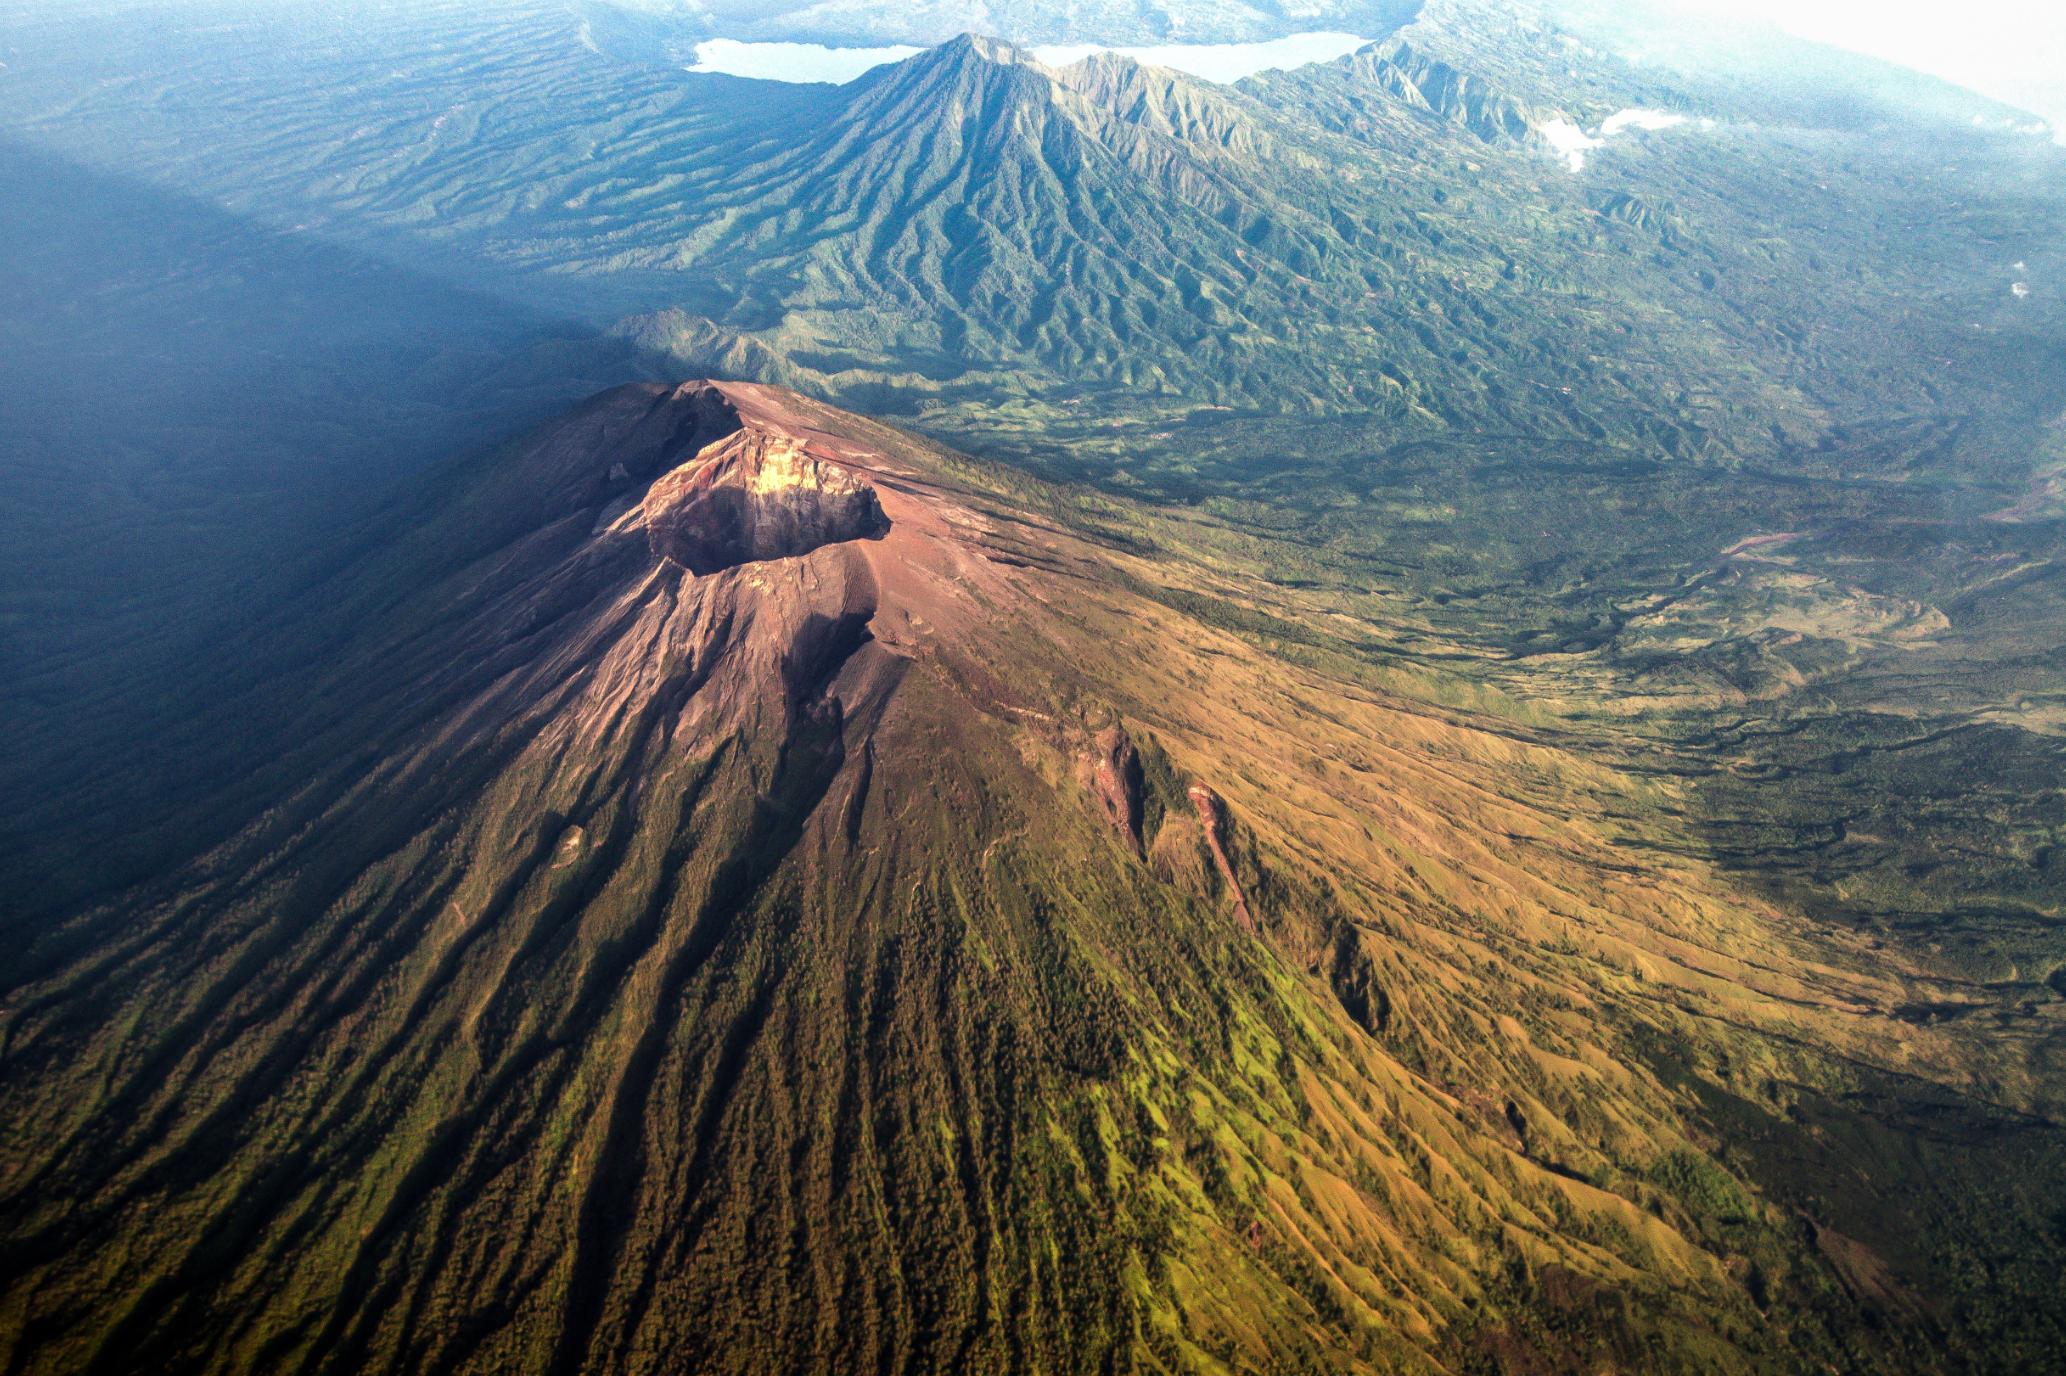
[{"x": 757, "y": 495}]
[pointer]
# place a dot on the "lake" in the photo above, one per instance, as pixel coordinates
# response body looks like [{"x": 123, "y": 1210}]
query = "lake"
[{"x": 1223, "y": 62}]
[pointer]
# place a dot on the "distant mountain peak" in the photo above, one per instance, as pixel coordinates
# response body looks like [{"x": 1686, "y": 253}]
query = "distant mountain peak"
[
  {"x": 963, "y": 54},
  {"x": 965, "y": 72},
  {"x": 982, "y": 47}
]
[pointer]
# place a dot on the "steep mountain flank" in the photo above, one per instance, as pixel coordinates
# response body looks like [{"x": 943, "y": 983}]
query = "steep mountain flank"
[{"x": 750, "y": 890}]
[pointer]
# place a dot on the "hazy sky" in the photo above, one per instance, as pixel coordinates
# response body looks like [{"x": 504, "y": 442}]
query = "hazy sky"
[{"x": 2013, "y": 50}]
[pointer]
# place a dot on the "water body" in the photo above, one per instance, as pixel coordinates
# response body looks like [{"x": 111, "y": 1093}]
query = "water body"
[
  {"x": 793, "y": 61},
  {"x": 1222, "y": 62}
]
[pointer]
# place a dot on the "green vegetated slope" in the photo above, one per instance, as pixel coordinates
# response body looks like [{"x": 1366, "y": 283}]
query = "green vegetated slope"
[
  {"x": 952, "y": 947},
  {"x": 971, "y": 227}
]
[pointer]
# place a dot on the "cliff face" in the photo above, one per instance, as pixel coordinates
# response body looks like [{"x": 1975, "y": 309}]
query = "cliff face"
[{"x": 1115, "y": 781}]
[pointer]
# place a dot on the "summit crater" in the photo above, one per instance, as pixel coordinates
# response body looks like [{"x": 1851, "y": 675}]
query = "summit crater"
[{"x": 755, "y": 495}]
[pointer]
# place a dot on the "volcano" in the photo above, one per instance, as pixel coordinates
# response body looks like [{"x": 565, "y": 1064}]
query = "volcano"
[{"x": 753, "y": 890}]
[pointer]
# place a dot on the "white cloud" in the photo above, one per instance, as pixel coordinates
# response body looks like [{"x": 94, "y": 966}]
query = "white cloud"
[
  {"x": 1638, "y": 119},
  {"x": 1573, "y": 143},
  {"x": 1570, "y": 140}
]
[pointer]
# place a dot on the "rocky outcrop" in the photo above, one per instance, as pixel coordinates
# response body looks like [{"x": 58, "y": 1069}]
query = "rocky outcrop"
[
  {"x": 757, "y": 494},
  {"x": 1212, "y": 818},
  {"x": 1115, "y": 781},
  {"x": 1354, "y": 979}
]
